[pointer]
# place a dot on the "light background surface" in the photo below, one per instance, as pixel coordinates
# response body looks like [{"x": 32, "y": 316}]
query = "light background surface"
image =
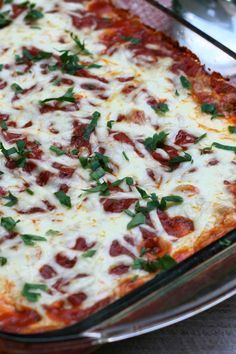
[{"x": 212, "y": 332}]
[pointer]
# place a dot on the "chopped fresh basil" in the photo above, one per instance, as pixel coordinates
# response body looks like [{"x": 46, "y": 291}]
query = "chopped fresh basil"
[
  {"x": 80, "y": 45},
  {"x": 200, "y": 138},
  {"x": 28, "y": 56},
  {"x": 30, "y": 293},
  {"x": 131, "y": 39},
  {"x": 138, "y": 219},
  {"x": 92, "y": 125},
  {"x": 210, "y": 108},
  {"x": 129, "y": 181},
  {"x": 5, "y": 19},
  {"x": 97, "y": 161},
  {"x": 161, "y": 108},
  {"x": 7, "y": 152},
  {"x": 29, "y": 191},
  {"x": 164, "y": 263},
  {"x": 70, "y": 62},
  {"x": 58, "y": 151},
  {"x": 1, "y": 67},
  {"x": 63, "y": 198},
  {"x": 129, "y": 213},
  {"x": 110, "y": 124},
  {"x": 52, "y": 232},
  {"x": 29, "y": 240},
  {"x": 9, "y": 223},
  {"x": 52, "y": 67},
  {"x": 17, "y": 88},
  {"x": 152, "y": 143},
  {"x": 3, "y": 125},
  {"x": 224, "y": 147},
  {"x": 75, "y": 151},
  {"x": 3, "y": 261},
  {"x": 102, "y": 188},
  {"x": 232, "y": 129},
  {"x": 92, "y": 66},
  {"x": 56, "y": 82},
  {"x": 142, "y": 192},
  {"x": 125, "y": 155},
  {"x": 67, "y": 97},
  {"x": 180, "y": 159},
  {"x": 12, "y": 200},
  {"x": 173, "y": 199},
  {"x": 98, "y": 173},
  {"x": 176, "y": 92},
  {"x": 185, "y": 82},
  {"x": 144, "y": 251},
  {"x": 33, "y": 13},
  {"x": 89, "y": 254}
]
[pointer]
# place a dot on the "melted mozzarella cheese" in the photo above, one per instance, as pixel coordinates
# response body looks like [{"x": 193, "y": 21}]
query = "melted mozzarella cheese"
[{"x": 87, "y": 217}]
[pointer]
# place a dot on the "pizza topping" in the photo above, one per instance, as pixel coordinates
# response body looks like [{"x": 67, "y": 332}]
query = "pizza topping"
[
  {"x": 156, "y": 141},
  {"x": 31, "y": 291},
  {"x": 185, "y": 82},
  {"x": 101, "y": 118},
  {"x": 29, "y": 240},
  {"x": 67, "y": 97},
  {"x": 63, "y": 198},
  {"x": 164, "y": 263},
  {"x": 232, "y": 129},
  {"x": 9, "y": 223}
]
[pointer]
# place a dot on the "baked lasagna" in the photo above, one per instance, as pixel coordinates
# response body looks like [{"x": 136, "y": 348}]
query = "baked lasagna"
[{"x": 117, "y": 158}]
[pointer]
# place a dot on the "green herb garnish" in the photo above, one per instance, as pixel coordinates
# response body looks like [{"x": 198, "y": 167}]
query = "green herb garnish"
[
  {"x": 200, "y": 138},
  {"x": 185, "y": 82},
  {"x": 152, "y": 143},
  {"x": 180, "y": 159},
  {"x": 81, "y": 45},
  {"x": 224, "y": 147},
  {"x": 3, "y": 125},
  {"x": 125, "y": 155},
  {"x": 89, "y": 254},
  {"x": 136, "y": 220},
  {"x": 3, "y": 261},
  {"x": 29, "y": 291},
  {"x": 52, "y": 232},
  {"x": 67, "y": 97},
  {"x": 110, "y": 124},
  {"x": 29, "y": 240},
  {"x": 161, "y": 108},
  {"x": 28, "y": 56},
  {"x": 58, "y": 151},
  {"x": 12, "y": 200},
  {"x": 9, "y": 223},
  {"x": 232, "y": 129},
  {"x": 29, "y": 191},
  {"x": 102, "y": 188},
  {"x": 17, "y": 88},
  {"x": 33, "y": 13},
  {"x": 92, "y": 125},
  {"x": 131, "y": 39},
  {"x": 63, "y": 198},
  {"x": 164, "y": 263},
  {"x": 5, "y": 19}
]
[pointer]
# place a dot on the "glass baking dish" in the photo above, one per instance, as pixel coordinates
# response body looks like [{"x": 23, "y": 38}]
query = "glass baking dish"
[{"x": 196, "y": 284}]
